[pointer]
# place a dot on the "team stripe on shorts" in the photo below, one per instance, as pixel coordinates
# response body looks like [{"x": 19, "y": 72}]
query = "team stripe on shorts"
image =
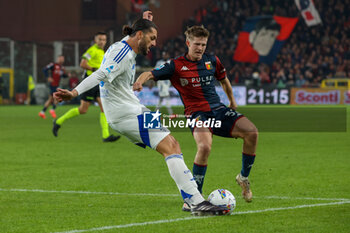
[{"x": 143, "y": 132}]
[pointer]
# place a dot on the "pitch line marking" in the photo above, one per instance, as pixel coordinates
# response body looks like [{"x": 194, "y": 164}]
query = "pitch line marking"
[
  {"x": 87, "y": 192},
  {"x": 160, "y": 195},
  {"x": 191, "y": 218}
]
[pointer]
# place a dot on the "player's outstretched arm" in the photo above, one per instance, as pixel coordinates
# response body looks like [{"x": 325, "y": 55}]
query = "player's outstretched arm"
[
  {"x": 64, "y": 95},
  {"x": 144, "y": 77}
]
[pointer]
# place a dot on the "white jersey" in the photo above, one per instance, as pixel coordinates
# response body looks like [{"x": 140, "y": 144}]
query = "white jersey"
[
  {"x": 118, "y": 98},
  {"x": 123, "y": 110}
]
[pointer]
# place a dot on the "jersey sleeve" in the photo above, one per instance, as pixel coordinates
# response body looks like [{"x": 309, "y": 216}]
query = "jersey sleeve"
[
  {"x": 114, "y": 62},
  {"x": 88, "y": 54},
  {"x": 164, "y": 71},
  {"x": 48, "y": 68},
  {"x": 220, "y": 71},
  {"x": 90, "y": 82}
]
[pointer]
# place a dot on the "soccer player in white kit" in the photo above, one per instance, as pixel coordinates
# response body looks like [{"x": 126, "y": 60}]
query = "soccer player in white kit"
[{"x": 124, "y": 112}]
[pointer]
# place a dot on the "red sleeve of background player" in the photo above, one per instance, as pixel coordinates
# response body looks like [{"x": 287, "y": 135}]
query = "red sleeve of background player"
[{"x": 220, "y": 71}]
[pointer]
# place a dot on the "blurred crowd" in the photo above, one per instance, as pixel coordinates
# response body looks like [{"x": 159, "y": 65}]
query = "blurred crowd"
[{"x": 310, "y": 55}]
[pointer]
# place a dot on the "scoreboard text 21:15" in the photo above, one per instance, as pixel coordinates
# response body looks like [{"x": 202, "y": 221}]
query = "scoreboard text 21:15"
[{"x": 268, "y": 96}]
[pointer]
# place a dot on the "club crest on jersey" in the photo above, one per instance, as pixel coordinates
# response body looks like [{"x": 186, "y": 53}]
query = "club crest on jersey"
[
  {"x": 208, "y": 65},
  {"x": 183, "y": 82}
]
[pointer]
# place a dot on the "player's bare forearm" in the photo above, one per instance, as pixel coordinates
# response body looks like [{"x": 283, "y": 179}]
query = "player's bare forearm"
[
  {"x": 84, "y": 65},
  {"x": 144, "y": 77},
  {"x": 64, "y": 95},
  {"x": 226, "y": 86}
]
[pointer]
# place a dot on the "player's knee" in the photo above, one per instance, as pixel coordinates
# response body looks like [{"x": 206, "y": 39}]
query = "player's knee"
[
  {"x": 252, "y": 135},
  {"x": 204, "y": 148},
  {"x": 169, "y": 146},
  {"x": 174, "y": 145}
]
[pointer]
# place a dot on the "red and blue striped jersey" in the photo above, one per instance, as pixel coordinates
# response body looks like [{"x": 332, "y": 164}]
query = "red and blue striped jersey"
[
  {"x": 57, "y": 71},
  {"x": 194, "y": 80}
]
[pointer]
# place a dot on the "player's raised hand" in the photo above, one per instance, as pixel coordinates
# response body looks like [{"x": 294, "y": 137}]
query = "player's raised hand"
[
  {"x": 137, "y": 86},
  {"x": 64, "y": 95},
  {"x": 148, "y": 15}
]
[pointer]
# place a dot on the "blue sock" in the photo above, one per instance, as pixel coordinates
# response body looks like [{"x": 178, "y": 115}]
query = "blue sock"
[
  {"x": 199, "y": 174},
  {"x": 247, "y": 163}
]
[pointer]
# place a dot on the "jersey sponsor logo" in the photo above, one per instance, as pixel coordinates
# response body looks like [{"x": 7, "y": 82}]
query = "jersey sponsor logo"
[
  {"x": 184, "y": 68},
  {"x": 208, "y": 65},
  {"x": 202, "y": 79},
  {"x": 183, "y": 82},
  {"x": 102, "y": 84},
  {"x": 197, "y": 81}
]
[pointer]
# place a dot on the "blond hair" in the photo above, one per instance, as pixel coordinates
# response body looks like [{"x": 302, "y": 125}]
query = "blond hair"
[{"x": 196, "y": 31}]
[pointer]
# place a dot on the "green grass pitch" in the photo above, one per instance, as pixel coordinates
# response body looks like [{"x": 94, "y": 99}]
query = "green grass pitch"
[{"x": 77, "y": 183}]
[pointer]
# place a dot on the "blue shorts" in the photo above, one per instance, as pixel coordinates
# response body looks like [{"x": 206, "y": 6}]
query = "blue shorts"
[
  {"x": 227, "y": 116},
  {"x": 52, "y": 89}
]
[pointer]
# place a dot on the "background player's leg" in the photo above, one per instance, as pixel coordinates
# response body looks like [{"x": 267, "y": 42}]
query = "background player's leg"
[
  {"x": 178, "y": 170},
  {"x": 106, "y": 136},
  {"x": 46, "y": 105},
  {"x": 54, "y": 104},
  {"x": 103, "y": 120},
  {"x": 203, "y": 138},
  {"x": 159, "y": 102},
  {"x": 73, "y": 112},
  {"x": 168, "y": 105}
]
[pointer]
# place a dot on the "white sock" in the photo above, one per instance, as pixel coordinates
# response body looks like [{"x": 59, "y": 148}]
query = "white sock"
[
  {"x": 183, "y": 179},
  {"x": 170, "y": 111}
]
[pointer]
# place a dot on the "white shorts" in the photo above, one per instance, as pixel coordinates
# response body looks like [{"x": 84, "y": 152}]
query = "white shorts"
[{"x": 133, "y": 128}]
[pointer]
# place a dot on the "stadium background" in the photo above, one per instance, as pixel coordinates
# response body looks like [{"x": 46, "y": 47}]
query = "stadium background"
[
  {"x": 77, "y": 183},
  {"x": 311, "y": 55}
]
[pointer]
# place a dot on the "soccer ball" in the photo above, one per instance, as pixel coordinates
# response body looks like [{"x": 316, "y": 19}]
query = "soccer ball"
[{"x": 223, "y": 197}]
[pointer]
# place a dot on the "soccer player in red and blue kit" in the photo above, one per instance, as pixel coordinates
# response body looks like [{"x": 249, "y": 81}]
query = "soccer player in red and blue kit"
[
  {"x": 53, "y": 72},
  {"x": 194, "y": 75}
]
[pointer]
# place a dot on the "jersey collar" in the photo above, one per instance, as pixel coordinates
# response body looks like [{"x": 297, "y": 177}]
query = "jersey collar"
[
  {"x": 185, "y": 56},
  {"x": 132, "y": 51},
  {"x": 96, "y": 46}
]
